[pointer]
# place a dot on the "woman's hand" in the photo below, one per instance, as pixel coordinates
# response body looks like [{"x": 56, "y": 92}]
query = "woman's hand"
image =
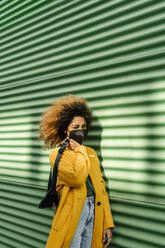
[
  {"x": 107, "y": 235},
  {"x": 73, "y": 144}
]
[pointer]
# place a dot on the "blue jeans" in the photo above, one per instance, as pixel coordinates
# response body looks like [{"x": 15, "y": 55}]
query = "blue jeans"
[{"x": 84, "y": 232}]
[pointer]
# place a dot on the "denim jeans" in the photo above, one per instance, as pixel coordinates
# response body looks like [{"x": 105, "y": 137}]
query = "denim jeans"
[{"x": 84, "y": 232}]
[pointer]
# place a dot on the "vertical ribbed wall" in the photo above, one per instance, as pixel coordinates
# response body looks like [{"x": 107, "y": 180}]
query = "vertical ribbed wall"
[{"x": 113, "y": 54}]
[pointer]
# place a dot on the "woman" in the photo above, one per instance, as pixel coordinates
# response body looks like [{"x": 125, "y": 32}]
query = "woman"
[{"x": 83, "y": 218}]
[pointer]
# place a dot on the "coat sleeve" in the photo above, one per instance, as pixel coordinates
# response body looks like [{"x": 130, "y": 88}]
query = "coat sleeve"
[
  {"x": 73, "y": 167},
  {"x": 108, "y": 220}
]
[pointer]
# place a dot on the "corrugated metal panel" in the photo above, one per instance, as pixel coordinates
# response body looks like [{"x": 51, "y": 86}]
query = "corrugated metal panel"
[
  {"x": 113, "y": 54},
  {"x": 139, "y": 224},
  {"x": 22, "y": 224}
]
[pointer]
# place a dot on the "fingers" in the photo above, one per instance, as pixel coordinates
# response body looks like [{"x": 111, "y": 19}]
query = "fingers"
[
  {"x": 107, "y": 235},
  {"x": 104, "y": 237},
  {"x": 109, "y": 238},
  {"x": 73, "y": 144}
]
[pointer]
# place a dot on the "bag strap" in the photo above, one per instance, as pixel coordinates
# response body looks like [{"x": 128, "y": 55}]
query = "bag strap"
[{"x": 53, "y": 178}]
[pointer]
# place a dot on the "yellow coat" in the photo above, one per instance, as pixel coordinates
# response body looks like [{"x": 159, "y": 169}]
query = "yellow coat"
[{"x": 73, "y": 170}]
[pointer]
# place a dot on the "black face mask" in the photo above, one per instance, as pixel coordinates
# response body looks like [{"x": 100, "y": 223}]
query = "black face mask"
[{"x": 78, "y": 135}]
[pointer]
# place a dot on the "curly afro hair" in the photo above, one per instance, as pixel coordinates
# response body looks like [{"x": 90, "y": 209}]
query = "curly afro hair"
[{"x": 57, "y": 118}]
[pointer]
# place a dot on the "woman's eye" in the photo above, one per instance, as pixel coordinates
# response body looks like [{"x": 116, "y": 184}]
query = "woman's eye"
[{"x": 76, "y": 127}]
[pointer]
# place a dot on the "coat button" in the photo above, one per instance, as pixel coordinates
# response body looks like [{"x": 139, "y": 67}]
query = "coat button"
[{"x": 98, "y": 203}]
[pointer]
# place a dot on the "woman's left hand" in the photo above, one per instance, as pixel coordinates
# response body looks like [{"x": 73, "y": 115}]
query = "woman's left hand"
[{"x": 107, "y": 235}]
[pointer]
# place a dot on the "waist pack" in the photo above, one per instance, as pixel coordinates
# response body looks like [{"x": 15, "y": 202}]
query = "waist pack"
[{"x": 51, "y": 198}]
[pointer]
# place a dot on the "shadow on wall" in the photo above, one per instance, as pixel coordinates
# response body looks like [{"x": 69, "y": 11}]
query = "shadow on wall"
[
  {"x": 35, "y": 153},
  {"x": 94, "y": 141}
]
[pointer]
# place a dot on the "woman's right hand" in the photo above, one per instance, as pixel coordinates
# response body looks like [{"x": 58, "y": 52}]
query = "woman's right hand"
[{"x": 73, "y": 144}]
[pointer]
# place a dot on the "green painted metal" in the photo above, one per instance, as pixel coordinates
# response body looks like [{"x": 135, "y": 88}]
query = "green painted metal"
[{"x": 113, "y": 54}]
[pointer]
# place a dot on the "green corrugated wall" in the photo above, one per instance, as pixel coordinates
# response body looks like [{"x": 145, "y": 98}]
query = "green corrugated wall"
[{"x": 113, "y": 54}]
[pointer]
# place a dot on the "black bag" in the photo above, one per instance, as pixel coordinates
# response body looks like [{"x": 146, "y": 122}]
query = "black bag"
[{"x": 51, "y": 198}]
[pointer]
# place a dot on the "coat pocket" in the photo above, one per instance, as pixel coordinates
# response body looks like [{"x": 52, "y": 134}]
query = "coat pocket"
[{"x": 61, "y": 220}]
